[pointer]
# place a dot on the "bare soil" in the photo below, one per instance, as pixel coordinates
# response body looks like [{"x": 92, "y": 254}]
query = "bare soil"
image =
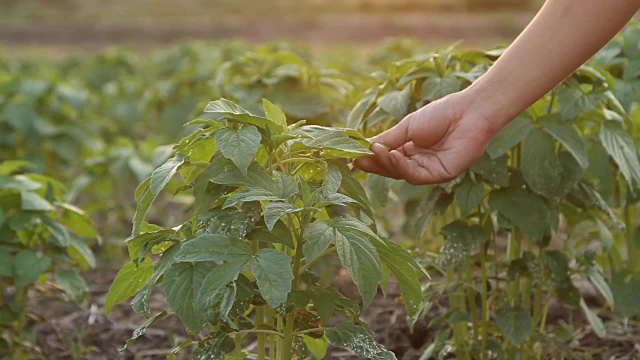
[
  {"x": 320, "y": 29},
  {"x": 68, "y": 331}
]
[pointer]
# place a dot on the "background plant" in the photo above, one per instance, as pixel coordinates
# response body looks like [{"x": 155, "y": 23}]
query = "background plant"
[
  {"x": 42, "y": 247},
  {"x": 553, "y": 157}
]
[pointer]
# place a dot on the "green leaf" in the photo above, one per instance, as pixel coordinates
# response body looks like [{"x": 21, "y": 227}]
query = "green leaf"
[
  {"x": 404, "y": 268},
  {"x": 161, "y": 176},
  {"x": 358, "y": 340},
  {"x": 181, "y": 285},
  {"x": 594, "y": 320},
  {"x": 215, "y": 288},
  {"x": 597, "y": 279},
  {"x": 72, "y": 284},
  {"x": 361, "y": 259},
  {"x": 354, "y": 120},
  {"x": 469, "y": 194},
  {"x": 128, "y": 281},
  {"x": 532, "y": 219},
  {"x": 34, "y": 202},
  {"x": 396, "y": 102},
  {"x": 210, "y": 247},
  {"x": 461, "y": 240},
  {"x": 318, "y": 347},
  {"x": 250, "y": 194},
  {"x": 140, "y": 303},
  {"x": 621, "y": 147},
  {"x": 567, "y": 135},
  {"x": 625, "y": 289},
  {"x": 80, "y": 252},
  {"x": 540, "y": 165},
  {"x": 216, "y": 346},
  {"x": 352, "y": 188},
  {"x": 223, "y": 171},
  {"x": 6, "y": 262},
  {"x": 572, "y": 173},
  {"x": 284, "y": 186},
  {"x": 334, "y": 141},
  {"x": 272, "y": 269},
  {"x": 435, "y": 88},
  {"x": 143, "y": 329},
  {"x": 230, "y": 109},
  {"x": 318, "y": 237},
  {"x": 605, "y": 236},
  {"x": 631, "y": 42},
  {"x": 324, "y": 302},
  {"x": 139, "y": 246},
  {"x": 274, "y": 211},
  {"x": 280, "y": 234},
  {"x": 59, "y": 233},
  {"x": 274, "y": 114},
  {"x": 350, "y": 223},
  {"x": 514, "y": 323},
  {"x": 10, "y": 166},
  {"x": 18, "y": 182},
  {"x": 493, "y": 170},
  {"x": 142, "y": 208},
  {"x": 76, "y": 220},
  {"x": 379, "y": 187},
  {"x": 573, "y": 102},
  {"x": 510, "y": 135},
  {"x": 239, "y": 145},
  {"x": 558, "y": 263},
  {"x": 332, "y": 179},
  {"x": 28, "y": 266}
]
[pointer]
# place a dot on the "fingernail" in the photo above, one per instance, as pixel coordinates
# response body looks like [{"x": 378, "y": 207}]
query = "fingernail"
[{"x": 381, "y": 145}]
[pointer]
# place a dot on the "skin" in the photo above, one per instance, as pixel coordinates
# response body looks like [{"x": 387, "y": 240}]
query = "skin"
[{"x": 441, "y": 140}]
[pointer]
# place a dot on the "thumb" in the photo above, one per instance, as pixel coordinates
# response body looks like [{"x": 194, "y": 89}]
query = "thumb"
[{"x": 396, "y": 136}]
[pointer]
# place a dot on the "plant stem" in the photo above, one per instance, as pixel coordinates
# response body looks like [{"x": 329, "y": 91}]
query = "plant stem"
[
  {"x": 297, "y": 259},
  {"x": 261, "y": 335},
  {"x": 309, "y": 331},
  {"x": 484, "y": 301},
  {"x": 307, "y": 265},
  {"x": 632, "y": 249},
  {"x": 513, "y": 252},
  {"x": 459, "y": 333},
  {"x": 471, "y": 298},
  {"x": 258, "y": 331},
  {"x": 238, "y": 342},
  {"x": 271, "y": 314}
]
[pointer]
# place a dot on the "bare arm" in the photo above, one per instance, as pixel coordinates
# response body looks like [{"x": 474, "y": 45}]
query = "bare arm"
[
  {"x": 562, "y": 36},
  {"x": 441, "y": 140}
]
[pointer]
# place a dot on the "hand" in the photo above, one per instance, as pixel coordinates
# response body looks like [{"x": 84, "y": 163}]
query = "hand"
[{"x": 434, "y": 144}]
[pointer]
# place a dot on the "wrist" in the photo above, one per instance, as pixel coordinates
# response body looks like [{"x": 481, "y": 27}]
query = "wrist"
[{"x": 493, "y": 106}]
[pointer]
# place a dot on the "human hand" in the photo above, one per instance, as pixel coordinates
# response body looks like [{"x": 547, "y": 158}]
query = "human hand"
[{"x": 433, "y": 144}]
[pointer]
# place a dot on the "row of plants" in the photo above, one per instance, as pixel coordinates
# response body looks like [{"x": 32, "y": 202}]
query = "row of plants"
[
  {"x": 552, "y": 200},
  {"x": 264, "y": 196}
]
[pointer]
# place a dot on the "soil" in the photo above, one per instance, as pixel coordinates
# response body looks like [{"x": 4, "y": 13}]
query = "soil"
[
  {"x": 319, "y": 29},
  {"x": 64, "y": 330}
]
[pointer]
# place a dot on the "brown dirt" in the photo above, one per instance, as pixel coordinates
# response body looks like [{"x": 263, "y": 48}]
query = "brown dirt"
[
  {"x": 67, "y": 331},
  {"x": 323, "y": 29}
]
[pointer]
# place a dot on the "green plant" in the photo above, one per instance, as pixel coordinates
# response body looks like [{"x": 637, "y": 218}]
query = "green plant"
[
  {"x": 543, "y": 169},
  {"x": 269, "y": 200},
  {"x": 41, "y": 248}
]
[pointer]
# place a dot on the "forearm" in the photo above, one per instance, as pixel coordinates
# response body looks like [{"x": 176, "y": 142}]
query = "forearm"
[{"x": 562, "y": 36}]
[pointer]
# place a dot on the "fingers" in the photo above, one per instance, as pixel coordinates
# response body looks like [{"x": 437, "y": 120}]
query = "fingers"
[
  {"x": 395, "y": 164},
  {"x": 378, "y": 163},
  {"x": 408, "y": 169}
]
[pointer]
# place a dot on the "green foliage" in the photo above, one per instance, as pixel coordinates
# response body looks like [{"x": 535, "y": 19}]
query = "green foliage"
[
  {"x": 41, "y": 247},
  {"x": 538, "y": 178},
  {"x": 264, "y": 212}
]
